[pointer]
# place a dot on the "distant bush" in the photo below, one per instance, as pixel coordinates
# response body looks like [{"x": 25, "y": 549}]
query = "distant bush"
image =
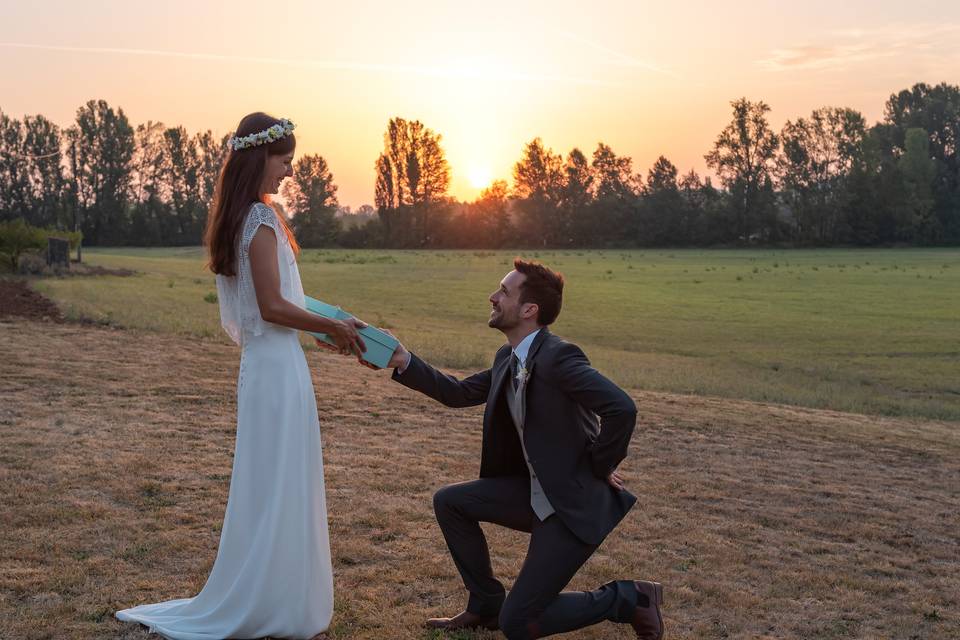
[
  {"x": 32, "y": 263},
  {"x": 17, "y": 238}
]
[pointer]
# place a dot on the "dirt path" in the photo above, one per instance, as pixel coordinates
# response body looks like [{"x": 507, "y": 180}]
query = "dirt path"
[
  {"x": 761, "y": 520},
  {"x": 17, "y": 300}
]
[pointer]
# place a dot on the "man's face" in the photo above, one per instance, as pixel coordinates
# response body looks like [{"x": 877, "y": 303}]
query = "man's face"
[{"x": 507, "y": 310}]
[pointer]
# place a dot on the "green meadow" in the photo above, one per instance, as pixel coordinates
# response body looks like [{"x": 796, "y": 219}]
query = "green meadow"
[{"x": 868, "y": 331}]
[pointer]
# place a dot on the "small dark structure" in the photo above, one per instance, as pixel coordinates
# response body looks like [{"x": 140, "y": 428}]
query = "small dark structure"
[{"x": 58, "y": 252}]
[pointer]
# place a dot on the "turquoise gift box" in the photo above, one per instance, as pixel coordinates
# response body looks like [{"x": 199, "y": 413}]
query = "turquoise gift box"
[{"x": 380, "y": 345}]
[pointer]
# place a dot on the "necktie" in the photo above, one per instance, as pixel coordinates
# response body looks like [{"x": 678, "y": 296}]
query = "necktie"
[{"x": 513, "y": 370}]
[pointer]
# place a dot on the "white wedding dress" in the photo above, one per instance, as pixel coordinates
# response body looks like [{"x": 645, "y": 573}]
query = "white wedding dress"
[{"x": 272, "y": 575}]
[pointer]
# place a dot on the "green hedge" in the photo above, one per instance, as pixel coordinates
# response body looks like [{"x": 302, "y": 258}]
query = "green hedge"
[{"x": 18, "y": 237}]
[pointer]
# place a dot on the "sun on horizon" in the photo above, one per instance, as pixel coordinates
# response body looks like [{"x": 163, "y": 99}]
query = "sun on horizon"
[{"x": 479, "y": 177}]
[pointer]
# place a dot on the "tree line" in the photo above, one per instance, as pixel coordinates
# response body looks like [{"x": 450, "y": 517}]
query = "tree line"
[{"x": 824, "y": 179}]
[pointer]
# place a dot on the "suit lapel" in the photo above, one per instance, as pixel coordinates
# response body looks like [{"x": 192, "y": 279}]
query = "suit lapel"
[
  {"x": 535, "y": 347},
  {"x": 521, "y": 397},
  {"x": 501, "y": 371}
]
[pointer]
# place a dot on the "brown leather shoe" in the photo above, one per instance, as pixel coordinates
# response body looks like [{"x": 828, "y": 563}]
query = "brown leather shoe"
[
  {"x": 648, "y": 621},
  {"x": 464, "y": 620}
]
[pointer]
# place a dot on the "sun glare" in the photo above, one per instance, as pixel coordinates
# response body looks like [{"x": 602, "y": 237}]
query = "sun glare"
[{"x": 479, "y": 177}]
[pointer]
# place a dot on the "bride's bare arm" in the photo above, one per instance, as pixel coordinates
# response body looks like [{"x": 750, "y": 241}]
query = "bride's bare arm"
[{"x": 274, "y": 308}]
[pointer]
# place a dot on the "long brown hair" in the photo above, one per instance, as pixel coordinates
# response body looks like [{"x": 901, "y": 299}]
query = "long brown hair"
[{"x": 237, "y": 188}]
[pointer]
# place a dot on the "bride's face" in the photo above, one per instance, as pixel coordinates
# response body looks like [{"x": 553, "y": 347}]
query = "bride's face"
[{"x": 277, "y": 168}]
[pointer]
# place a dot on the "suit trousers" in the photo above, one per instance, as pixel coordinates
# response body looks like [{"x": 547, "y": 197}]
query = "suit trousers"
[{"x": 535, "y": 606}]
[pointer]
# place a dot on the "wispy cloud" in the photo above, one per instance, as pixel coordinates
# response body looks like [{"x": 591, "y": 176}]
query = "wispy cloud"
[
  {"x": 616, "y": 58},
  {"x": 448, "y": 70},
  {"x": 840, "y": 50},
  {"x": 836, "y": 57}
]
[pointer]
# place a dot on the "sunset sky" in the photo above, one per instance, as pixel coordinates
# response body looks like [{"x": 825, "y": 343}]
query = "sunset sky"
[{"x": 646, "y": 78}]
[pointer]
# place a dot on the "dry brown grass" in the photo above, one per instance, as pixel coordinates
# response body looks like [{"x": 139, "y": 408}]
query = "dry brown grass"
[{"x": 762, "y": 521}]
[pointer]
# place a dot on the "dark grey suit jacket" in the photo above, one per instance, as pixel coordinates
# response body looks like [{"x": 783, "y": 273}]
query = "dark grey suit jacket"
[{"x": 576, "y": 430}]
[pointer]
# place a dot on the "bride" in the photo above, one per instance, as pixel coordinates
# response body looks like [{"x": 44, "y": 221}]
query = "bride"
[{"x": 272, "y": 575}]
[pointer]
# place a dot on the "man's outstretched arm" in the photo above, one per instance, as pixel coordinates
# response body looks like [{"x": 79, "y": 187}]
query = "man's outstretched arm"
[{"x": 412, "y": 372}]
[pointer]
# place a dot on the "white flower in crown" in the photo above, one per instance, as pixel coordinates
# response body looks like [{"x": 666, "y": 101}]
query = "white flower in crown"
[{"x": 271, "y": 134}]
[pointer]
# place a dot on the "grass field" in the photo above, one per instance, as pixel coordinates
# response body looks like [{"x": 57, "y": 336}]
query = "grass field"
[
  {"x": 762, "y": 521},
  {"x": 871, "y": 331}
]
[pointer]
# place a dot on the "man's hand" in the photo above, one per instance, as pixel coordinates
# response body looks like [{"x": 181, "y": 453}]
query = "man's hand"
[
  {"x": 400, "y": 354},
  {"x": 616, "y": 481},
  {"x": 399, "y": 357}
]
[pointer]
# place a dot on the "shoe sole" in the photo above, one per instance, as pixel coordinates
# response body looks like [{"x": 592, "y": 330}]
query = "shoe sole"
[
  {"x": 489, "y": 626},
  {"x": 658, "y": 599}
]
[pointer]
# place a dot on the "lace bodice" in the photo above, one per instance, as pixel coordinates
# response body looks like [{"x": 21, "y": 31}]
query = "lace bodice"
[{"x": 239, "y": 313}]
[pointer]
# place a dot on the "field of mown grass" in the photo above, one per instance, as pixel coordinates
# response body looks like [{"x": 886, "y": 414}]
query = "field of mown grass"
[
  {"x": 868, "y": 331},
  {"x": 762, "y": 521}
]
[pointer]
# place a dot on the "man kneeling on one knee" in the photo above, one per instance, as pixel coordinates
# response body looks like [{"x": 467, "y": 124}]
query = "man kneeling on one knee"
[{"x": 554, "y": 432}]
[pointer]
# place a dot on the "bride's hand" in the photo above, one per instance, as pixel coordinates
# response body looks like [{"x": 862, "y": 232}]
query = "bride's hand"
[
  {"x": 345, "y": 336},
  {"x": 326, "y": 346}
]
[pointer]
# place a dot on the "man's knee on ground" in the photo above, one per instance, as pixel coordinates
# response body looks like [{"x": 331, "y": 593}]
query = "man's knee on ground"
[{"x": 515, "y": 623}]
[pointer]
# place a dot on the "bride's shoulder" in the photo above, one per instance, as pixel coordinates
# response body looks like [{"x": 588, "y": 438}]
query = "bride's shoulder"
[{"x": 259, "y": 213}]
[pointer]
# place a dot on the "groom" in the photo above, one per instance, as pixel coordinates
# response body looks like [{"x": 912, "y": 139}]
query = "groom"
[{"x": 547, "y": 467}]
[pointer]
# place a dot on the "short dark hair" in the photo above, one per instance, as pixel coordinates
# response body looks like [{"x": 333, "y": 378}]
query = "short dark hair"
[{"x": 543, "y": 287}]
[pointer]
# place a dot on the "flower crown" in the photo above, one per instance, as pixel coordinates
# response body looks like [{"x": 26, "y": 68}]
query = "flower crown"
[{"x": 271, "y": 134}]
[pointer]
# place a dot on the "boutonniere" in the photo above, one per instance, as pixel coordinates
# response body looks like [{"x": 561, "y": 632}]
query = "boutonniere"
[{"x": 522, "y": 375}]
